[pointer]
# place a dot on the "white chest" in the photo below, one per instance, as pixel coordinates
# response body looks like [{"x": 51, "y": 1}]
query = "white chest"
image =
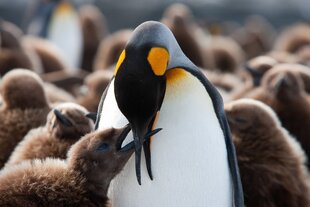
[{"x": 189, "y": 159}]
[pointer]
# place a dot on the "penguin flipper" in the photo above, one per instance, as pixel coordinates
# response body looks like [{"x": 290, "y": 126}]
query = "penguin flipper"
[{"x": 220, "y": 113}]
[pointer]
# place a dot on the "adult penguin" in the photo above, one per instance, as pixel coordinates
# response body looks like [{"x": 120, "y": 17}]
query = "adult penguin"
[
  {"x": 193, "y": 158},
  {"x": 58, "y": 21}
]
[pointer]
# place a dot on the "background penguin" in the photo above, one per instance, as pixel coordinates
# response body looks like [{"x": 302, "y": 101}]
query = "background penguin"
[
  {"x": 12, "y": 52},
  {"x": 82, "y": 180},
  {"x": 286, "y": 95},
  {"x": 222, "y": 54},
  {"x": 56, "y": 95},
  {"x": 65, "y": 125},
  {"x": 94, "y": 29},
  {"x": 179, "y": 19},
  {"x": 58, "y": 21},
  {"x": 24, "y": 107},
  {"x": 253, "y": 73},
  {"x": 110, "y": 49},
  {"x": 49, "y": 54},
  {"x": 91, "y": 91},
  {"x": 271, "y": 162},
  {"x": 293, "y": 38},
  {"x": 153, "y": 75}
]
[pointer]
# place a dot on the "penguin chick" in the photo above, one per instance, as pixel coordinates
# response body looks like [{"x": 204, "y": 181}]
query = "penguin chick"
[
  {"x": 284, "y": 92},
  {"x": 94, "y": 28},
  {"x": 91, "y": 91},
  {"x": 12, "y": 53},
  {"x": 49, "y": 55},
  {"x": 293, "y": 38},
  {"x": 256, "y": 37},
  {"x": 82, "y": 180},
  {"x": 110, "y": 48},
  {"x": 253, "y": 73},
  {"x": 56, "y": 95},
  {"x": 24, "y": 107},
  {"x": 271, "y": 162},
  {"x": 178, "y": 17},
  {"x": 65, "y": 125},
  {"x": 223, "y": 54}
]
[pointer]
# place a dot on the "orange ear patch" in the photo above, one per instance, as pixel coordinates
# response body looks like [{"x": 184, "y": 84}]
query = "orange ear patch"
[
  {"x": 120, "y": 61},
  {"x": 158, "y": 58}
]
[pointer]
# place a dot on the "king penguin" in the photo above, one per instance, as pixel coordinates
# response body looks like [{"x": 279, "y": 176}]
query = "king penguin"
[
  {"x": 155, "y": 86},
  {"x": 58, "y": 21}
]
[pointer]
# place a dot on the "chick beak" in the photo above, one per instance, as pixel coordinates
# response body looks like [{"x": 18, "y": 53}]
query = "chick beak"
[{"x": 60, "y": 117}]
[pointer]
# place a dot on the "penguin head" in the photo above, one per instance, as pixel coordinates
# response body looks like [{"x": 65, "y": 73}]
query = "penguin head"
[
  {"x": 284, "y": 85},
  {"x": 247, "y": 117},
  {"x": 100, "y": 156},
  {"x": 69, "y": 121},
  {"x": 140, "y": 77},
  {"x": 23, "y": 89}
]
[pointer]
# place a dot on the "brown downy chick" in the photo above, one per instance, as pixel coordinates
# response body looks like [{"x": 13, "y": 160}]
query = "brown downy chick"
[
  {"x": 50, "y": 56},
  {"x": 82, "y": 180},
  {"x": 56, "y": 95},
  {"x": 91, "y": 91},
  {"x": 110, "y": 49},
  {"x": 256, "y": 37},
  {"x": 271, "y": 162},
  {"x": 285, "y": 94},
  {"x": 253, "y": 73},
  {"x": 222, "y": 54},
  {"x": 293, "y": 38},
  {"x": 65, "y": 125},
  {"x": 94, "y": 28},
  {"x": 178, "y": 17},
  {"x": 24, "y": 107},
  {"x": 12, "y": 53}
]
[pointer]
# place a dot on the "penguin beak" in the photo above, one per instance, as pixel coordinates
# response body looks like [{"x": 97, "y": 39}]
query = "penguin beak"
[
  {"x": 142, "y": 139},
  {"x": 60, "y": 117}
]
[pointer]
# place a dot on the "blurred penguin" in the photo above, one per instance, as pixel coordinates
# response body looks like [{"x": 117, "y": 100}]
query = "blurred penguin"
[
  {"x": 91, "y": 91},
  {"x": 65, "y": 125},
  {"x": 110, "y": 49},
  {"x": 272, "y": 163},
  {"x": 24, "y": 107},
  {"x": 94, "y": 28}
]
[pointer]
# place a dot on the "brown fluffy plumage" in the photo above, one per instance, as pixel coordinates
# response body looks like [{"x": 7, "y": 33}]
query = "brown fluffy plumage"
[
  {"x": 49, "y": 55},
  {"x": 271, "y": 162},
  {"x": 222, "y": 54},
  {"x": 110, "y": 49},
  {"x": 284, "y": 92},
  {"x": 256, "y": 37},
  {"x": 12, "y": 53},
  {"x": 94, "y": 29},
  {"x": 56, "y": 95},
  {"x": 24, "y": 107},
  {"x": 179, "y": 19},
  {"x": 91, "y": 91},
  {"x": 82, "y": 180},
  {"x": 293, "y": 38},
  {"x": 54, "y": 139}
]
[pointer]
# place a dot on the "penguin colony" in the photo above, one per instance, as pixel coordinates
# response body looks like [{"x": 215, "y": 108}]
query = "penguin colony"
[{"x": 90, "y": 134}]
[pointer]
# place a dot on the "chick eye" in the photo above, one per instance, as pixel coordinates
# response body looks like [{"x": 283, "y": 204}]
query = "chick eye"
[
  {"x": 240, "y": 120},
  {"x": 103, "y": 147}
]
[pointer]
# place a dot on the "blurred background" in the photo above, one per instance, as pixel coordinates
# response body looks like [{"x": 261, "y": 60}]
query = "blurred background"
[{"x": 123, "y": 13}]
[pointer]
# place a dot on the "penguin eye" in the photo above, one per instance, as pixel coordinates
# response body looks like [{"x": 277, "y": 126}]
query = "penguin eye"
[{"x": 103, "y": 147}]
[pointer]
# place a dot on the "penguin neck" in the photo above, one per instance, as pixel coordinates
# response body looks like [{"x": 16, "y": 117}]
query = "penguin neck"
[{"x": 96, "y": 180}]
